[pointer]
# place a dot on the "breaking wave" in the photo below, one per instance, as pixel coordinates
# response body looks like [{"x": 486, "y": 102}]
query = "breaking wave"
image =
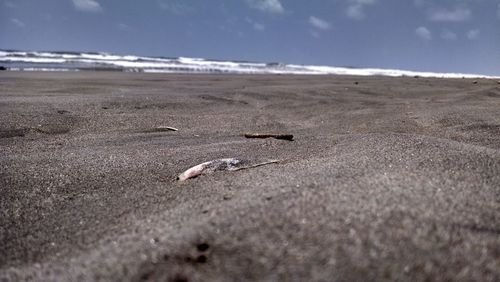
[{"x": 80, "y": 61}]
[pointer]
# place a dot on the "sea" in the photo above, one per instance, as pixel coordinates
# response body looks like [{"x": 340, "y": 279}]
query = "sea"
[{"x": 15, "y": 60}]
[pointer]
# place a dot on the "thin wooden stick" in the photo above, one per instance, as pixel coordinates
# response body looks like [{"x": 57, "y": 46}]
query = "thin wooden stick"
[
  {"x": 257, "y": 165},
  {"x": 160, "y": 129},
  {"x": 166, "y": 128},
  {"x": 288, "y": 137}
]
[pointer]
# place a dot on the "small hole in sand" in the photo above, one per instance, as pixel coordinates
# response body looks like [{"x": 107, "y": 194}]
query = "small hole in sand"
[
  {"x": 201, "y": 259},
  {"x": 146, "y": 276},
  {"x": 202, "y": 247},
  {"x": 179, "y": 278}
]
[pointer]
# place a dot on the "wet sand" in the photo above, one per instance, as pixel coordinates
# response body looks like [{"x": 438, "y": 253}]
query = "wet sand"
[{"x": 386, "y": 179}]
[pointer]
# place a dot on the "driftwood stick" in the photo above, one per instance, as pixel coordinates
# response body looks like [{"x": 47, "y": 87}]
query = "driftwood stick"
[
  {"x": 165, "y": 128},
  {"x": 257, "y": 165},
  {"x": 160, "y": 129},
  {"x": 288, "y": 137}
]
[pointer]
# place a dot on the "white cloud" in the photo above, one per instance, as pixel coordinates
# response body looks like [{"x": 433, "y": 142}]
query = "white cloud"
[
  {"x": 17, "y": 22},
  {"x": 269, "y": 6},
  {"x": 459, "y": 14},
  {"x": 258, "y": 26},
  {"x": 255, "y": 25},
  {"x": 314, "y": 34},
  {"x": 122, "y": 26},
  {"x": 87, "y": 5},
  {"x": 355, "y": 10},
  {"x": 173, "y": 6},
  {"x": 9, "y": 4},
  {"x": 473, "y": 34},
  {"x": 363, "y": 2},
  {"x": 319, "y": 23},
  {"x": 448, "y": 35},
  {"x": 424, "y": 33},
  {"x": 419, "y": 3}
]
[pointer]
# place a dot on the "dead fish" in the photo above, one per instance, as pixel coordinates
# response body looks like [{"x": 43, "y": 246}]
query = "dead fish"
[
  {"x": 229, "y": 164},
  {"x": 210, "y": 166}
]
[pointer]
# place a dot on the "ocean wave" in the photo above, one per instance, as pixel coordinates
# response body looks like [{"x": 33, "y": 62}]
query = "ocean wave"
[{"x": 67, "y": 61}]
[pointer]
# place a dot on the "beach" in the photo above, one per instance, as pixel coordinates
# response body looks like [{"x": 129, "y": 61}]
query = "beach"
[{"x": 387, "y": 178}]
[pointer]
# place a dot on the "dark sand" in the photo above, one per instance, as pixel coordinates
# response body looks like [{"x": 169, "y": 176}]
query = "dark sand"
[{"x": 387, "y": 179}]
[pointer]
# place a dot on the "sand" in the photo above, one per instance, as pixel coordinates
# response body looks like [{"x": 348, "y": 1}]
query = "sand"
[{"x": 386, "y": 179}]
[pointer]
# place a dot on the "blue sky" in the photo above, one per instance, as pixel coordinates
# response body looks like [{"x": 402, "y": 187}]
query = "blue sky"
[{"x": 423, "y": 35}]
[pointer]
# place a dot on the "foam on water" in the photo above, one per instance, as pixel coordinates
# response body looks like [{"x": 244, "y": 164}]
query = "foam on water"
[{"x": 67, "y": 61}]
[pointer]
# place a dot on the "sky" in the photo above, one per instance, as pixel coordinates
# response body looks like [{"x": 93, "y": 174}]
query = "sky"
[{"x": 421, "y": 35}]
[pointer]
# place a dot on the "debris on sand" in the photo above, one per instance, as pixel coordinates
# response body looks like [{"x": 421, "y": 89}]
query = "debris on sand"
[
  {"x": 281, "y": 136},
  {"x": 229, "y": 164},
  {"x": 161, "y": 129},
  {"x": 9, "y": 133},
  {"x": 210, "y": 166},
  {"x": 475, "y": 82},
  {"x": 166, "y": 128}
]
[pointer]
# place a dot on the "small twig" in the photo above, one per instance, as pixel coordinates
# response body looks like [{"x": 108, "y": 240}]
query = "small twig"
[
  {"x": 257, "y": 165},
  {"x": 288, "y": 137},
  {"x": 166, "y": 128},
  {"x": 161, "y": 129}
]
